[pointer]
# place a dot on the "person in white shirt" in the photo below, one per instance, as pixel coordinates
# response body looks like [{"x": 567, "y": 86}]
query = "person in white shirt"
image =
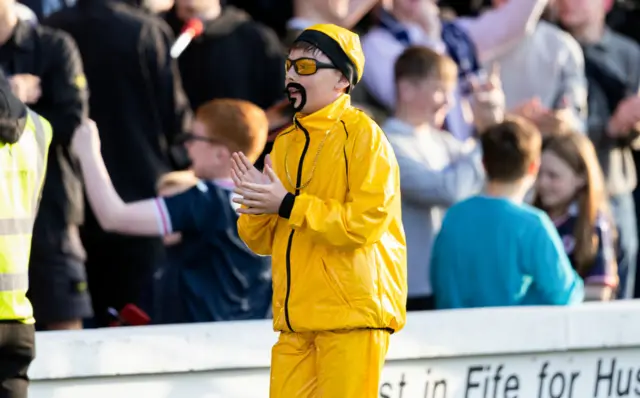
[{"x": 436, "y": 170}]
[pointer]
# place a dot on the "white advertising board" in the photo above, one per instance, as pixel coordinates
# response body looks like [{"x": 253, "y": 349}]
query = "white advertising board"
[
  {"x": 598, "y": 374},
  {"x": 589, "y": 351}
]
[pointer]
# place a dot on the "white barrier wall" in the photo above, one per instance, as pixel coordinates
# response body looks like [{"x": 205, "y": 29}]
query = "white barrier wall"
[{"x": 590, "y": 351}]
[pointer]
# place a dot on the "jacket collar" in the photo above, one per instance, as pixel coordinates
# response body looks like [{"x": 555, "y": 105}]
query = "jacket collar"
[{"x": 325, "y": 118}]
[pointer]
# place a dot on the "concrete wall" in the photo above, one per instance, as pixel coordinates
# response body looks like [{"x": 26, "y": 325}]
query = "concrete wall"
[{"x": 588, "y": 351}]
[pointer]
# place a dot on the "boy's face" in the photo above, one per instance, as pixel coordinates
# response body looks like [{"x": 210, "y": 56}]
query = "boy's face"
[
  {"x": 209, "y": 158},
  {"x": 309, "y": 93},
  {"x": 578, "y": 13},
  {"x": 431, "y": 96}
]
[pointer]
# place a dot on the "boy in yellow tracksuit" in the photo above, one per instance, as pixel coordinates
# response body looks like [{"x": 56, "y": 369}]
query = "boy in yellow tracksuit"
[{"x": 327, "y": 209}]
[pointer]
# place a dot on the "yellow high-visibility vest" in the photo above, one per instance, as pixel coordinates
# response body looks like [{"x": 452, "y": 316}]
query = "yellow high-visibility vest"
[{"x": 22, "y": 171}]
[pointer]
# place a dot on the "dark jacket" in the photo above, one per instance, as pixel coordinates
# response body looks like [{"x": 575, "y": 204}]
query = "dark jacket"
[
  {"x": 139, "y": 106},
  {"x": 53, "y": 56},
  {"x": 235, "y": 57},
  {"x": 136, "y": 94}
]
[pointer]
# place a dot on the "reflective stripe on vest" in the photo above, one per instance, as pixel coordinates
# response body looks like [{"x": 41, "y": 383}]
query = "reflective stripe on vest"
[
  {"x": 16, "y": 226},
  {"x": 14, "y": 282}
]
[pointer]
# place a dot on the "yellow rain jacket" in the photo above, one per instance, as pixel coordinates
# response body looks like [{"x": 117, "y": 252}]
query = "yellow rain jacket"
[{"x": 339, "y": 260}]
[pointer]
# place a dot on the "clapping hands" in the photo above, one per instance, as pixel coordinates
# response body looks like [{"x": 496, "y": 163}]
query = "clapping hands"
[
  {"x": 243, "y": 171},
  {"x": 259, "y": 193}
]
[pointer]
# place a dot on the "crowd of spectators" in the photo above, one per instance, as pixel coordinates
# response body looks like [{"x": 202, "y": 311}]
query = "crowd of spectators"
[{"x": 486, "y": 104}]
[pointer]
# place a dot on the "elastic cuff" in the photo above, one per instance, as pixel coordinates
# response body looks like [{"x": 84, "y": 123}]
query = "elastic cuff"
[{"x": 287, "y": 205}]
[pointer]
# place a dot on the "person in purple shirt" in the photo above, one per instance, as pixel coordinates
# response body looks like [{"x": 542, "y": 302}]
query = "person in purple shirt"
[
  {"x": 221, "y": 279},
  {"x": 570, "y": 188}
]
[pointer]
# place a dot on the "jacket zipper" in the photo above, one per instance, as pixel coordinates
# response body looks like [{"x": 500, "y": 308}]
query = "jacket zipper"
[{"x": 290, "y": 242}]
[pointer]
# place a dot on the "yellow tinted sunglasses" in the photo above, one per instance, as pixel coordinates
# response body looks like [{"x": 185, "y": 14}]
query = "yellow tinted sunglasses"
[{"x": 306, "y": 66}]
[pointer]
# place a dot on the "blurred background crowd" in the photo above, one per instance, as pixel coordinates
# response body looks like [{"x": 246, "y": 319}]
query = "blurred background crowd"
[{"x": 437, "y": 74}]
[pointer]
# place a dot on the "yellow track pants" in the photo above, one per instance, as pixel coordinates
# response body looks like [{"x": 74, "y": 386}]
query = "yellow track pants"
[{"x": 340, "y": 364}]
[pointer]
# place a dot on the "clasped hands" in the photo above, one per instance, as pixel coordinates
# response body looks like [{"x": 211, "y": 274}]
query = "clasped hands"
[{"x": 259, "y": 193}]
